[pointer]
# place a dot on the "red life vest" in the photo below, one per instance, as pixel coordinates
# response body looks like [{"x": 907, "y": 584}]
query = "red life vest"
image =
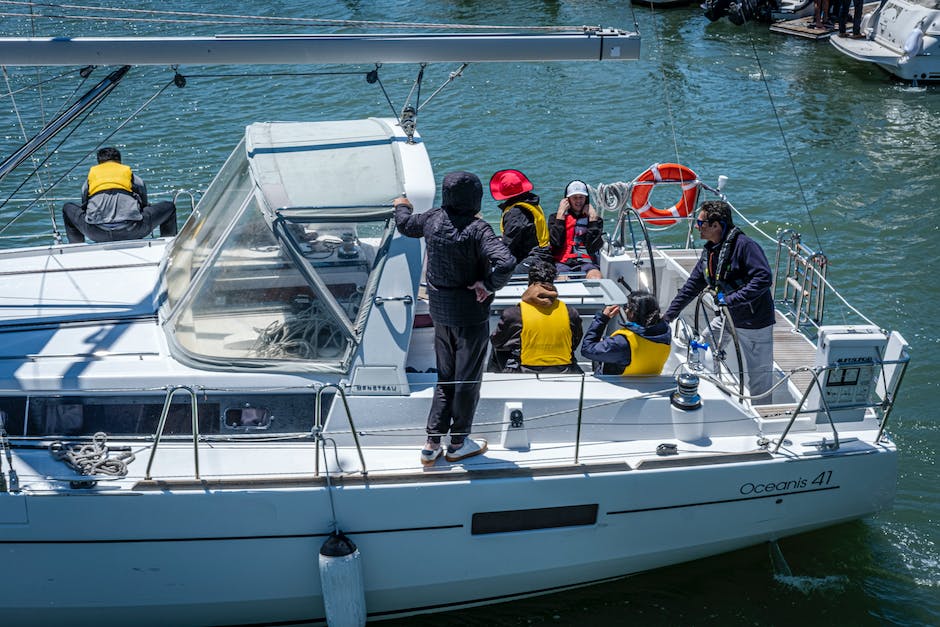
[{"x": 575, "y": 233}]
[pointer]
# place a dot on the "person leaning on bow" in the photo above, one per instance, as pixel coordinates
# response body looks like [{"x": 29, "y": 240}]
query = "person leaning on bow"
[
  {"x": 115, "y": 206},
  {"x": 735, "y": 268},
  {"x": 466, "y": 264},
  {"x": 642, "y": 347},
  {"x": 541, "y": 333},
  {"x": 576, "y": 233}
]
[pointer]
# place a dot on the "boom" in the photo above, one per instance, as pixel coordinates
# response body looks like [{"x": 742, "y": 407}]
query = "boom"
[{"x": 586, "y": 45}]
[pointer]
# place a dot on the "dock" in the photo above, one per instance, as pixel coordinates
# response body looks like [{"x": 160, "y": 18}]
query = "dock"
[{"x": 800, "y": 27}]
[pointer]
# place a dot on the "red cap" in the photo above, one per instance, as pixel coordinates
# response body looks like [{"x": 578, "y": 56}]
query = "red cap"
[{"x": 508, "y": 183}]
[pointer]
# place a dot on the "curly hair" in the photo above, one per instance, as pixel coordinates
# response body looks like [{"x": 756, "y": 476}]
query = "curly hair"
[
  {"x": 717, "y": 211},
  {"x": 542, "y": 272}
]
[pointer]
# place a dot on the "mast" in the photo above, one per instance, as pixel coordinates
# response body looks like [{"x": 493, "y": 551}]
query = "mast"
[
  {"x": 589, "y": 44},
  {"x": 50, "y": 130}
]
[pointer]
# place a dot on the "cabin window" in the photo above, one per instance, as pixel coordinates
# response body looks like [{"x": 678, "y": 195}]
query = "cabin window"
[
  {"x": 225, "y": 196},
  {"x": 287, "y": 292}
]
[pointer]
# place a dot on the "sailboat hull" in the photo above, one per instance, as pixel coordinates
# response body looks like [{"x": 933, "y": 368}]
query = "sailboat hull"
[{"x": 230, "y": 554}]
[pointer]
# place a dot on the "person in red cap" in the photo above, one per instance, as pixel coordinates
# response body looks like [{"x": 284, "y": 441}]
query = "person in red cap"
[
  {"x": 522, "y": 223},
  {"x": 576, "y": 233}
]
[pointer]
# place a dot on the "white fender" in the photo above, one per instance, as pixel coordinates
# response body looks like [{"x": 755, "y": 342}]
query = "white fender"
[
  {"x": 914, "y": 43},
  {"x": 344, "y": 595}
]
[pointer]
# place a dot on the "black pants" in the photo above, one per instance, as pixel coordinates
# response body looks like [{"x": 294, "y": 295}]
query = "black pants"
[
  {"x": 162, "y": 214},
  {"x": 461, "y": 356},
  {"x": 856, "y": 16}
]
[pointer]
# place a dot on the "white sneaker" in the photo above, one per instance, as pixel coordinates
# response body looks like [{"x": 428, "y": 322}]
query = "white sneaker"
[
  {"x": 469, "y": 448},
  {"x": 430, "y": 455}
]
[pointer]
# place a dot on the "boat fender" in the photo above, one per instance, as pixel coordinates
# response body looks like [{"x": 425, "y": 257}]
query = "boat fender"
[
  {"x": 914, "y": 43},
  {"x": 344, "y": 596}
]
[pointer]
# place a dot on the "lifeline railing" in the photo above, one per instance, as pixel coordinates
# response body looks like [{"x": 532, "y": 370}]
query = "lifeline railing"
[
  {"x": 882, "y": 406},
  {"x": 881, "y": 399},
  {"x": 317, "y": 431}
]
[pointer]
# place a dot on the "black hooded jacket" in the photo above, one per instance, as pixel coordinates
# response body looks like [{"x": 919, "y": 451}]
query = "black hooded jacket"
[{"x": 462, "y": 249}]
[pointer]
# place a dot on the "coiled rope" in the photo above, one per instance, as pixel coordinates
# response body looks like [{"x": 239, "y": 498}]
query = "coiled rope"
[{"x": 92, "y": 459}]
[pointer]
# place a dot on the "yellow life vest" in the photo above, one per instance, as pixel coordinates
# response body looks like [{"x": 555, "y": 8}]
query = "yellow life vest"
[
  {"x": 538, "y": 218},
  {"x": 109, "y": 175},
  {"x": 646, "y": 356},
  {"x": 546, "y": 335}
]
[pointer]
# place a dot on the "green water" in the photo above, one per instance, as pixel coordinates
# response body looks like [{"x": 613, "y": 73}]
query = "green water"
[{"x": 865, "y": 149}]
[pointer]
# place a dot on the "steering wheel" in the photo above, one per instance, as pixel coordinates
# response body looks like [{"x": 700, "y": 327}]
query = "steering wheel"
[{"x": 718, "y": 353}]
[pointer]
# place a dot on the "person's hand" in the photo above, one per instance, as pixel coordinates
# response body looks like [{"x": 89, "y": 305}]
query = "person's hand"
[
  {"x": 563, "y": 207},
  {"x": 720, "y": 298},
  {"x": 592, "y": 214},
  {"x": 480, "y": 289},
  {"x": 611, "y": 310},
  {"x": 401, "y": 200}
]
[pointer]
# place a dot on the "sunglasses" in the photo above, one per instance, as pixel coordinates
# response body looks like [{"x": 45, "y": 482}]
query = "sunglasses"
[{"x": 700, "y": 223}]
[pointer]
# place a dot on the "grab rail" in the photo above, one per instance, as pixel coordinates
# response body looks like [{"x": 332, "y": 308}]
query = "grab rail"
[
  {"x": 170, "y": 392},
  {"x": 803, "y": 278},
  {"x": 318, "y": 427}
]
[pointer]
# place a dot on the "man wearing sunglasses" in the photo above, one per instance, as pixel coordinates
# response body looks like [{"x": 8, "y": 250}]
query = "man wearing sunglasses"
[{"x": 735, "y": 268}]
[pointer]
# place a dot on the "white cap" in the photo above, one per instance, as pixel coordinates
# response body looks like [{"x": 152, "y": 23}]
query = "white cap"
[{"x": 576, "y": 188}]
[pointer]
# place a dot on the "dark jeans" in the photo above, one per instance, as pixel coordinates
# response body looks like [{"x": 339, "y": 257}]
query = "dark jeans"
[
  {"x": 856, "y": 16},
  {"x": 461, "y": 356},
  {"x": 162, "y": 214}
]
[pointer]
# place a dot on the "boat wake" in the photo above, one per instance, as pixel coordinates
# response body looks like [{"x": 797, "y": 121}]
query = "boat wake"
[
  {"x": 804, "y": 584},
  {"x": 811, "y": 585}
]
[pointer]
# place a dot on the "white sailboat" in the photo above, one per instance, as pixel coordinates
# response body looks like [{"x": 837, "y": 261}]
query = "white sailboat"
[{"x": 245, "y": 391}]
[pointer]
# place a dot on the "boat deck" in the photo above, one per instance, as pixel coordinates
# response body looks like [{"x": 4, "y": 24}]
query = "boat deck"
[{"x": 791, "y": 349}]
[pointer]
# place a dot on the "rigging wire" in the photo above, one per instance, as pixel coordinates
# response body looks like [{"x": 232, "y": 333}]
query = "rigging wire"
[
  {"x": 42, "y": 82},
  {"x": 783, "y": 135},
  {"x": 104, "y": 140},
  {"x": 42, "y": 189},
  {"x": 84, "y": 72},
  {"x": 665, "y": 86},
  {"x": 373, "y": 77},
  {"x": 57, "y": 236},
  {"x": 416, "y": 85},
  {"x": 450, "y": 78},
  {"x": 267, "y": 19}
]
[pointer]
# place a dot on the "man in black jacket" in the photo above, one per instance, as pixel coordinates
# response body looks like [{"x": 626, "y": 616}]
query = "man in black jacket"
[
  {"x": 466, "y": 264},
  {"x": 735, "y": 267}
]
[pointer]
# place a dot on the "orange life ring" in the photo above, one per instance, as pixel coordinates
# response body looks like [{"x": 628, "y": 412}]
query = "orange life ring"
[{"x": 665, "y": 173}]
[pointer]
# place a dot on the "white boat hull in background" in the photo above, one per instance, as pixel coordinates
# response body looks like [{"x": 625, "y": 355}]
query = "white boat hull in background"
[{"x": 903, "y": 38}]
